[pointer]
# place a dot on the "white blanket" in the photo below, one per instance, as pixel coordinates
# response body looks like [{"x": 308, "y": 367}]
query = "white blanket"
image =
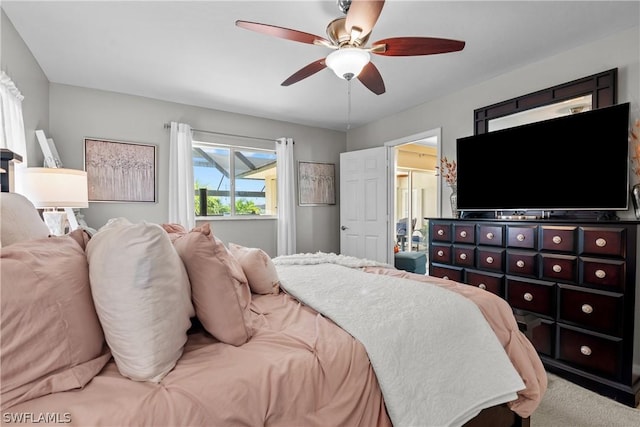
[
  {"x": 437, "y": 360},
  {"x": 327, "y": 258}
]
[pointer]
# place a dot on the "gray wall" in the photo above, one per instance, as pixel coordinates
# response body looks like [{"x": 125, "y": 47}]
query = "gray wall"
[
  {"x": 68, "y": 114},
  {"x": 76, "y": 113},
  {"x": 454, "y": 112},
  {"x": 19, "y": 64}
]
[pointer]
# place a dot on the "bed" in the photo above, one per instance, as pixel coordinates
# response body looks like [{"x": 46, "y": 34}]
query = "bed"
[{"x": 163, "y": 326}]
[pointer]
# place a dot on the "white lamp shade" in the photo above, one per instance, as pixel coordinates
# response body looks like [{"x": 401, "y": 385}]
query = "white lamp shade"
[
  {"x": 55, "y": 187},
  {"x": 348, "y": 62}
]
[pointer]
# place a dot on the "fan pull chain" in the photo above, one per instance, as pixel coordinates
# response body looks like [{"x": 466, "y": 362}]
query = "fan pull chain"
[{"x": 348, "y": 104}]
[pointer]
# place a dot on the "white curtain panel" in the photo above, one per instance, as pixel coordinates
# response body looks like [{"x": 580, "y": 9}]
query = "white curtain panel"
[
  {"x": 286, "y": 243},
  {"x": 12, "y": 134},
  {"x": 181, "y": 190}
]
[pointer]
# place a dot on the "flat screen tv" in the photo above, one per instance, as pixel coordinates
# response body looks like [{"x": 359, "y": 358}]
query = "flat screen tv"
[{"x": 569, "y": 163}]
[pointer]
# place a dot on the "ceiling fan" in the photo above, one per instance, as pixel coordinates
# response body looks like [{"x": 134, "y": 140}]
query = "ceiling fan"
[{"x": 348, "y": 37}]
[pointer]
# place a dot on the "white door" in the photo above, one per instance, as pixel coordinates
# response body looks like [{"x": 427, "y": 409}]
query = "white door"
[{"x": 363, "y": 204}]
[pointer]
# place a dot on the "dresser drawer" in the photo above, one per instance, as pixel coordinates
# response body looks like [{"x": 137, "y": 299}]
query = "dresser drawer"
[
  {"x": 522, "y": 263},
  {"x": 522, "y": 236},
  {"x": 441, "y": 253},
  {"x": 464, "y": 233},
  {"x": 531, "y": 295},
  {"x": 595, "y": 353},
  {"x": 450, "y": 273},
  {"x": 563, "y": 268},
  {"x": 542, "y": 337},
  {"x": 487, "y": 281},
  {"x": 441, "y": 232},
  {"x": 596, "y": 311},
  {"x": 606, "y": 274},
  {"x": 572, "y": 286},
  {"x": 491, "y": 235},
  {"x": 464, "y": 256},
  {"x": 490, "y": 259},
  {"x": 603, "y": 241},
  {"x": 559, "y": 239}
]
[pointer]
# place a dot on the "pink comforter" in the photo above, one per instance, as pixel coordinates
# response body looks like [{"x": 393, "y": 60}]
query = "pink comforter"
[
  {"x": 299, "y": 369},
  {"x": 500, "y": 316}
]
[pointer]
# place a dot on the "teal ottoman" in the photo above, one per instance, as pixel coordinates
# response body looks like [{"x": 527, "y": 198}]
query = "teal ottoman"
[{"x": 414, "y": 262}]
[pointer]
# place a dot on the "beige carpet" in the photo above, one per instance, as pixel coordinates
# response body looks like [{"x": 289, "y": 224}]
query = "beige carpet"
[{"x": 568, "y": 405}]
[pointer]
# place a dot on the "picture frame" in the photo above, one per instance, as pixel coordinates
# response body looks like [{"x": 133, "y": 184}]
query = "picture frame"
[
  {"x": 120, "y": 171},
  {"x": 316, "y": 184}
]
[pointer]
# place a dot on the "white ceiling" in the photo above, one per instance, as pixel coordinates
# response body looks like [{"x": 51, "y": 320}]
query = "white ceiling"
[{"x": 192, "y": 52}]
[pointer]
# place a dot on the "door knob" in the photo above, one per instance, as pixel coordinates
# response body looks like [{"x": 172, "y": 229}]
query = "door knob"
[{"x": 343, "y": 228}]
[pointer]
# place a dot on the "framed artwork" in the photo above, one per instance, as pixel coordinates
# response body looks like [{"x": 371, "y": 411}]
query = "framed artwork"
[
  {"x": 119, "y": 171},
  {"x": 316, "y": 184}
]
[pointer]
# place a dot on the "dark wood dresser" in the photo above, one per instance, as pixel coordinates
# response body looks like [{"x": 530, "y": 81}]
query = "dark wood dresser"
[{"x": 577, "y": 280}]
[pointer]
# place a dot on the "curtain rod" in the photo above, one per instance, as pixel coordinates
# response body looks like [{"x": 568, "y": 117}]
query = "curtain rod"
[{"x": 168, "y": 126}]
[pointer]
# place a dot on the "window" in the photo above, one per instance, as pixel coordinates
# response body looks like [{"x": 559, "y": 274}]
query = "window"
[{"x": 233, "y": 181}]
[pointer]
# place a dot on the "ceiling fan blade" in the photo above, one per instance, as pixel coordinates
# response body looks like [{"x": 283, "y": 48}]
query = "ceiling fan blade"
[
  {"x": 363, "y": 15},
  {"x": 305, "y": 72},
  {"x": 371, "y": 78},
  {"x": 283, "y": 33},
  {"x": 411, "y": 46}
]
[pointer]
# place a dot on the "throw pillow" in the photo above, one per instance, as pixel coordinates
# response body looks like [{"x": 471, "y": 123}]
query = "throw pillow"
[
  {"x": 51, "y": 337},
  {"x": 142, "y": 297},
  {"x": 19, "y": 220},
  {"x": 259, "y": 269},
  {"x": 174, "y": 230},
  {"x": 219, "y": 288}
]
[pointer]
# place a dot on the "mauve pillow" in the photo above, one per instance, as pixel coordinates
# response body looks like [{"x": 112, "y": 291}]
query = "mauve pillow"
[
  {"x": 174, "y": 230},
  {"x": 51, "y": 337},
  {"x": 259, "y": 269},
  {"x": 219, "y": 288},
  {"x": 141, "y": 292}
]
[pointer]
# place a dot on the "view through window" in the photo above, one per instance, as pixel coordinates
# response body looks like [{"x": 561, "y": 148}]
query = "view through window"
[{"x": 233, "y": 180}]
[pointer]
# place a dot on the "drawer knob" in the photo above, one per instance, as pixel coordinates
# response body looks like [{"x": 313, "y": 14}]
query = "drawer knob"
[
  {"x": 463, "y": 256},
  {"x": 586, "y": 350},
  {"x": 528, "y": 297},
  {"x": 489, "y": 260},
  {"x": 482, "y": 286},
  {"x": 520, "y": 263},
  {"x": 586, "y": 308},
  {"x": 557, "y": 268},
  {"x": 490, "y": 236},
  {"x": 600, "y": 242},
  {"x": 520, "y": 237},
  {"x": 445, "y": 277},
  {"x": 440, "y": 253},
  {"x": 440, "y": 232},
  {"x": 557, "y": 240},
  {"x": 601, "y": 274},
  {"x": 463, "y": 233}
]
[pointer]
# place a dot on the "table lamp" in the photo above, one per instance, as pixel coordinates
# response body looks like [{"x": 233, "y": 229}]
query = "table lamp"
[{"x": 54, "y": 188}]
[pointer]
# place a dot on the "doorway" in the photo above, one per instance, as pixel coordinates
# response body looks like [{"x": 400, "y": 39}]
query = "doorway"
[{"x": 413, "y": 189}]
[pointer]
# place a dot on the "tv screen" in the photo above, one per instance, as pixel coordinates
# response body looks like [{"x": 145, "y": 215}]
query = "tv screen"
[{"x": 576, "y": 162}]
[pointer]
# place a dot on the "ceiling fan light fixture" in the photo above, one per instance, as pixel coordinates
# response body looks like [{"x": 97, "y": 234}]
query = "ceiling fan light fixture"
[
  {"x": 348, "y": 62},
  {"x": 348, "y": 36},
  {"x": 343, "y": 5}
]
